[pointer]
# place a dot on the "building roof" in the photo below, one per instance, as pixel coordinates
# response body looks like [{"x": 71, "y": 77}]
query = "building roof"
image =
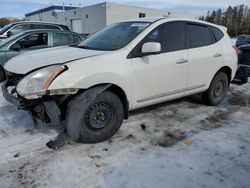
[{"x": 50, "y": 8}]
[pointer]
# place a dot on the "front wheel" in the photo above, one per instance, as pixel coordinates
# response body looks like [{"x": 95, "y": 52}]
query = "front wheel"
[
  {"x": 94, "y": 119},
  {"x": 217, "y": 90}
]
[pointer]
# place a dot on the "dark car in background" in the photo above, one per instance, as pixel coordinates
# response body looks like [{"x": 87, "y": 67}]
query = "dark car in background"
[
  {"x": 245, "y": 41},
  {"x": 242, "y": 40},
  {"x": 34, "y": 40},
  {"x": 244, "y": 64},
  {"x": 15, "y": 28}
]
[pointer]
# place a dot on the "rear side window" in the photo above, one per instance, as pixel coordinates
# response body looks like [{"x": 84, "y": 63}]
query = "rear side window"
[
  {"x": 218, "y": 34},
  {"x": 50, "y": 27},
  {"x": 77, "y": 39},
  {"x": 198, "y": 35},
  {"x": 43, "y": 26},
  {"x": 60, "y": 39}
]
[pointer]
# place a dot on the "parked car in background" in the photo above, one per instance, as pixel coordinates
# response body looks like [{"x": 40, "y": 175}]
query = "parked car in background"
[
  {"x": 34, "y": 40},
  {"x": 245, "y": 42},
  {"x": 241, "y": 40},
  {"x": 126, "y": 66},
  {"x": 244, "y": 64},
  {"x": 18, "y": 27}
]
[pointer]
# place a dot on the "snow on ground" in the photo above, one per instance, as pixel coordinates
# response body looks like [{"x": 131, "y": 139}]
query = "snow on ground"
[{"x": 148, "y": 151}]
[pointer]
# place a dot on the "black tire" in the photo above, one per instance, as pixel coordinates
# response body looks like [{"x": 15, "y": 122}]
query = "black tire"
[
  {"x": 94, "y": 120},
  {"x": 217, "y": 90},
  {"x": 2, "y": 74}
]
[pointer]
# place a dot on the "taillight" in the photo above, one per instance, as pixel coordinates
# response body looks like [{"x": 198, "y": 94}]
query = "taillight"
[{"x": 237, "y": 51}]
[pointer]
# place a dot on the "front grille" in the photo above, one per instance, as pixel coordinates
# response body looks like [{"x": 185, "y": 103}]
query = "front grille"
[{"x": 13, "y": 78}]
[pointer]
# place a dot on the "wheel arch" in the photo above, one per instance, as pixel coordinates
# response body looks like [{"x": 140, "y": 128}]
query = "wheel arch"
[
  {"x": 116, "y": 90},
  {"x": 228, "y": 71}
]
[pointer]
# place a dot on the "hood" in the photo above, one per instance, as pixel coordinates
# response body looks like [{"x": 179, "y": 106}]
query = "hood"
[{"x": 29, "y": 61}]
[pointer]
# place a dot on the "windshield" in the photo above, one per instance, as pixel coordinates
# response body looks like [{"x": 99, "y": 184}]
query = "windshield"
[
  {"x": 4, "y": 29},
  {"x": 114, "y": 37}
]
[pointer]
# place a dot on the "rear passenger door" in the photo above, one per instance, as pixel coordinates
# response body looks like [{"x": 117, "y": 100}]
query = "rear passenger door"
[{"x": 205, "y": 56}]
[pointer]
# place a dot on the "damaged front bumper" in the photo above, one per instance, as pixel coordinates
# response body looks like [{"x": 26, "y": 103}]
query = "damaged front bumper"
[
  {"x": 41, "y": 111},
  {"x": 11, "y": 97}
]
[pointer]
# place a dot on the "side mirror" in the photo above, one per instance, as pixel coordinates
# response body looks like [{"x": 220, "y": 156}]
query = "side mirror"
[
  {"x": 9, "y": 33},
  {"x": 151, "y": 48},
  {"x": 16, "y": 47}
]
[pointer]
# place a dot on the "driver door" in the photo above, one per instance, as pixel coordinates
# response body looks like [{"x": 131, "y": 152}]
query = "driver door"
[
  {"x": 161, "y": 77},
  {"x": 28, "y": 43}
]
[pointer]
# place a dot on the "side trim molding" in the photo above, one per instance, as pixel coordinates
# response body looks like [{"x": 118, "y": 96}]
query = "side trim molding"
[{"x": 170, "y": 93}]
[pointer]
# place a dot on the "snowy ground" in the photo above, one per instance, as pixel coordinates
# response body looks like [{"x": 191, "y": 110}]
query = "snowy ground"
[{"x": 178, "y": 144}]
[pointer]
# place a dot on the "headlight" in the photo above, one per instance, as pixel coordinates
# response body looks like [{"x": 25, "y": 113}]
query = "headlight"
[{"x": 36, "y": 83}]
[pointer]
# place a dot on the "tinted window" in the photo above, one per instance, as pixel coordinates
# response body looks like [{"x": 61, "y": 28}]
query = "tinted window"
[
  {"x": 19, "y": 28},
  {"x": 218, "y": 34},
  {"x": 175, "y": 38},
  {"x": 170, "y": 35},
  {"x": 38, "y": 40},
  {"x": 60, "y": 39},
  {"x": 64, "y": 27},
  {"x": 198, "y": 35},
  {"x": 77, "y": 39}
]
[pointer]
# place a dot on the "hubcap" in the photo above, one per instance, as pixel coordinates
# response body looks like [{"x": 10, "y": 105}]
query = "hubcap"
[
  {"x": 98, "y": 116},
  {"x": 218, "y": 89}
]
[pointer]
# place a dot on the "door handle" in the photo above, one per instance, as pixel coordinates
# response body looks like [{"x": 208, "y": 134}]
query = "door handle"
[
  {"x": 181, "y": 61},
  {"x": 217, "y": 55}
]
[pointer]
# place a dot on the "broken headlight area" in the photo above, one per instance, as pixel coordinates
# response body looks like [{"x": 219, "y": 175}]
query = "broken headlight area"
[
  {"x": 31, "y": 93},
  {"x": 36, "y": 84}
]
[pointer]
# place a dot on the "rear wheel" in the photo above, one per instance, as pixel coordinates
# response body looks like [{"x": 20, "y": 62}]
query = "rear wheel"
[
  {"x": 2, "y": 74},
  {"x": 217, "y": 90},
  {"x": 93, "y": 120}
]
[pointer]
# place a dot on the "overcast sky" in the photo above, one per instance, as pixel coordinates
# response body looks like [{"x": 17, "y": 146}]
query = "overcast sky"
[{"x": 17, "y": 8}]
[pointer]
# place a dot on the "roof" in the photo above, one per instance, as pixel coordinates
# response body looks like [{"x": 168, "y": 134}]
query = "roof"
[
  {"x": 146, "y": 19},
  {"x": 47, "y": 30},
  {"x": 50, "y": 8},
  {"x": 36, "y": 22}
]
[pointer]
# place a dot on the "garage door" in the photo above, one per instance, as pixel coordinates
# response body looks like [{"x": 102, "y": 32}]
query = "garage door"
[{"x": 76, "y": 25}]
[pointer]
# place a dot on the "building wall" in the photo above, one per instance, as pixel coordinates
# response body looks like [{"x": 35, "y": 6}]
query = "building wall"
[
  {"x": 95, "y": 17},
  {"x": 182, "y": 15},
  {"x": 118, "y": 12},
  {"x": 92, "y": 18}
]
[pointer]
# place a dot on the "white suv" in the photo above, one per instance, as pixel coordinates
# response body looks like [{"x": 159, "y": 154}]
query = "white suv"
[{"x": 126, "y": 66}]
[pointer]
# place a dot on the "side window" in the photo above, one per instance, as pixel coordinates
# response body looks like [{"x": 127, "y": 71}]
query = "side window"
[
  {"x": 77, "y": 39},
  {"x": 19, "y": 28},
  {"x": 38, "y": 40},
  {"x": 170, "y": 35},
  {"x": 60, "y": 39},
  {"x": 50, "y": 27},
  {"x": 198, "y": 35},
  {"x": 175, "y": 37},
  {"x": 218, "y": 34}
]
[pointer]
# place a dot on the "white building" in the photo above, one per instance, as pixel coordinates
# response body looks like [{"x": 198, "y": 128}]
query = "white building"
[{"x": 92, "y": 18}]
